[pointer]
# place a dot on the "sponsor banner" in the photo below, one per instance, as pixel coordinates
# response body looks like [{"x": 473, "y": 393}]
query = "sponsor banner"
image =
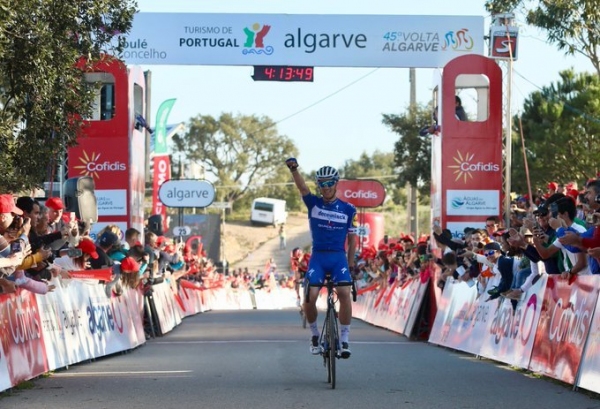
[
  {"x": 361, "y": 192},
  {"x": 21, "y": 336},
  {"x": 564, "y": 324},
  {"x": 462, "y": 317},
  {"x": 401, "y": 305},
  {"x": 370, "y": 229},
  {"x": 309, "y": 40},
  {"x": 469, "y": 164},
  {"x": 162, "y": 173},
  {"x": 504, "y": 40},
  {"x": 512, "y": 326},
  {"x": 166, "y": 310},
  {"x": 108, "y": 167},
  {"x": 111, "y": 202},
  {"x": 186, "y": 193},
  {"x": 589, "y": 371},
  {"x": 104, "y": 328},
  {"x": 419, "y": 296},
  {"x": 160, "y": 142},
  {"x": 472, "y": 202},
  {"x": 60, "y": 327}
]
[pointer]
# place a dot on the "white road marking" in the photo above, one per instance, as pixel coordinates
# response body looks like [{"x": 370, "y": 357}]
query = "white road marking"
[{"x": 117, "y": 373}]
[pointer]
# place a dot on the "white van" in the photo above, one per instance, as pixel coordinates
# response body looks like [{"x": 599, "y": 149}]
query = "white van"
[{"x": 268, "y": 211}]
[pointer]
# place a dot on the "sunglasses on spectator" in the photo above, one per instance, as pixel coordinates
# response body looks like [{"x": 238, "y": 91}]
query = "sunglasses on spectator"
[
  {"x": 489, "y": 253},
  {"x": 326, "y": 183},
  {"x": 490, "y": 225}
]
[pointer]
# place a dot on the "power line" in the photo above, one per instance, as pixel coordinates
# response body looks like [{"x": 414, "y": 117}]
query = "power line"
[{"x": 326, "y": 97}]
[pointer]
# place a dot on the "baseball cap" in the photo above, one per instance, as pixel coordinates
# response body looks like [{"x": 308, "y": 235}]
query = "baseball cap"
[
  {"x": 108, "y": 238},
  {"x": 552, "y": 185},
  {"x": 493, "y": 246},
  {"x": 129, "y": 264},
  {"x": 7, "y": 205},
  {"x": 542, "y": 210},
  {"x": 87, "y": 246},
  {"x": 55, "y": 203}
]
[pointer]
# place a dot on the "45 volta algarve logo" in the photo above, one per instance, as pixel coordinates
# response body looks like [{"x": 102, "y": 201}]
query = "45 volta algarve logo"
[
  {"x": 91, "y": 164},
  {"x": 466, "y": 165},
  {"x": 255, "y": 40}
]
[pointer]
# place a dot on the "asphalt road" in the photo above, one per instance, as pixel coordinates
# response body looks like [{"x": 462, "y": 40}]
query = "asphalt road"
[{"x": 260, "y": 359}]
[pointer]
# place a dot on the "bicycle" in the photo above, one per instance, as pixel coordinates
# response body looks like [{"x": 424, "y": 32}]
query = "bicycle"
[{"x": 330, "y": 336}]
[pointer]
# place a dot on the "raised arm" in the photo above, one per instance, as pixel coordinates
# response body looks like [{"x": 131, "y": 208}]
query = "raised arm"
[{"x": 292, "y": 165}]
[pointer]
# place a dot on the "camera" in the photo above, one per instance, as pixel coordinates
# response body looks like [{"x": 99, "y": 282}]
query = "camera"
[
  {"x": 15, "y": 246},
  {"x": 17, "y": 223}
]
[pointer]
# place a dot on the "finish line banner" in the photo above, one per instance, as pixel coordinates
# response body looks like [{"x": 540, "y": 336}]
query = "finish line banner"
[{"x": 313, "y": 40}]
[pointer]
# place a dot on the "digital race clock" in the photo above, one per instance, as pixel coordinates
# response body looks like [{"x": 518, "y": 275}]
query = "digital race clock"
[{"x": 283, "y": 73}]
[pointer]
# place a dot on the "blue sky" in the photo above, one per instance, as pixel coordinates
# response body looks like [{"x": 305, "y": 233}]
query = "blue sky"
[{"x": 338, "y": 116}]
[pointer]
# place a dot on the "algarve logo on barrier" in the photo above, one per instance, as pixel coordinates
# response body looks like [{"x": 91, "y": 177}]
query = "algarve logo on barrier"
[{"x": 255, "y": 37}]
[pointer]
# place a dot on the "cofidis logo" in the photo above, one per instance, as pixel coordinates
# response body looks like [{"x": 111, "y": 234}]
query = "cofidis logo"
[
  {"x": 459, "y": 40},
  {"x": 466, "y": 165},
  {"x": 255, "y": 40},
  {"x": 92, "y": 163}
]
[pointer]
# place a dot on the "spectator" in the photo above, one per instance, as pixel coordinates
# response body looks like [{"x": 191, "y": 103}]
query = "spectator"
[
  {"x": 282, "y": 237},
  {"x": 88, "y": 251},
  {"x": 459, "y": 111},
  {"x": 130, "y": 272},
  {"x": 574, "y": 261},
  {"x": 104, "y": 245}
]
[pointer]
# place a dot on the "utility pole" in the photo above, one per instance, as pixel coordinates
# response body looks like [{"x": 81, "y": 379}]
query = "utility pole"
[{"x": 412, "y": 199}]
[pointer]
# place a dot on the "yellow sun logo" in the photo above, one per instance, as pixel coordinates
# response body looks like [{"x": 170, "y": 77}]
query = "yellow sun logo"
[
  {"x": 459, "y": 171},
  {"x": 84, "y": 168}
]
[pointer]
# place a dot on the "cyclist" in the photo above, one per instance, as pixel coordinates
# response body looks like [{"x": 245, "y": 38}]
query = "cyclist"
[{"x": 331, "y": 222}]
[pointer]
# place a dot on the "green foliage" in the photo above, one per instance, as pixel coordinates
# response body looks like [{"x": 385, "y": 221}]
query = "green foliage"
[
  {"x": 42, "y": 93},
  {"x": 412, "y": 152},
  {"x": 572, "y": 25},
  {"x": 239, "y": 151},
  {"x": 560, "y": 125},
  {"x": 380, "y": 166}
]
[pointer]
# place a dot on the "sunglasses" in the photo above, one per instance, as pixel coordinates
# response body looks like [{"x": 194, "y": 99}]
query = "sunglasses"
[
  {"x": 326, "y": 183},
  {"x": 489, "y": 253}
]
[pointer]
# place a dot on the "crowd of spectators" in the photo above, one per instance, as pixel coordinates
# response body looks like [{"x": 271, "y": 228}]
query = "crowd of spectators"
[{"x": 557, "y": 232}]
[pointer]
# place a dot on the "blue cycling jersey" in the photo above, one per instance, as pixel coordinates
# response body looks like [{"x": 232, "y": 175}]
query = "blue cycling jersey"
[{"x": 330, "y": 223}]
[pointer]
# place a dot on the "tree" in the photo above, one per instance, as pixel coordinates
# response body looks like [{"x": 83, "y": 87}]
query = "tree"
[
  {"x": 379, "y": 166},
  {"x": 240, "y": 151},
  {"x": 561, "y": 129},
  {"x": 43, "y": 97},
  {"x": 412, "y": 152},
  {"x": 572, "y": 25}
]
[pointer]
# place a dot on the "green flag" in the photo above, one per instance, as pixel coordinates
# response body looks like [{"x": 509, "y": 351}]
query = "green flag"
[{"x": 160, "y": 140}]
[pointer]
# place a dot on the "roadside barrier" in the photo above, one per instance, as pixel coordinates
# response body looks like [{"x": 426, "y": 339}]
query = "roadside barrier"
[{"x": 553, "y": 330}]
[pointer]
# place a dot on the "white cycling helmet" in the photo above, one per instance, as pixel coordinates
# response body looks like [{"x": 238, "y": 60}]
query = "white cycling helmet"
[{"x": 327, "y": 172}]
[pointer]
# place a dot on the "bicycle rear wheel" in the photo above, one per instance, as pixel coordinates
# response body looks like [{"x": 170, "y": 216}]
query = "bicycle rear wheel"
[{"x": 332, "y": 340}]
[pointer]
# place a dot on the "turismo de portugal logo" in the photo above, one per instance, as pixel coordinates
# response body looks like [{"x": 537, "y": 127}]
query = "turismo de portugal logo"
[{"x": 255, "y": 36}]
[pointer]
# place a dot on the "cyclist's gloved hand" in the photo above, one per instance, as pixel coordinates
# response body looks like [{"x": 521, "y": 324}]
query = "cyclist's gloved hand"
[{"x": 292, "y": 164}]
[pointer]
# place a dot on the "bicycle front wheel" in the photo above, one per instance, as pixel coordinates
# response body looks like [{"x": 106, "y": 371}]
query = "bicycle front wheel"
[{"x": 332, "y": 340}]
